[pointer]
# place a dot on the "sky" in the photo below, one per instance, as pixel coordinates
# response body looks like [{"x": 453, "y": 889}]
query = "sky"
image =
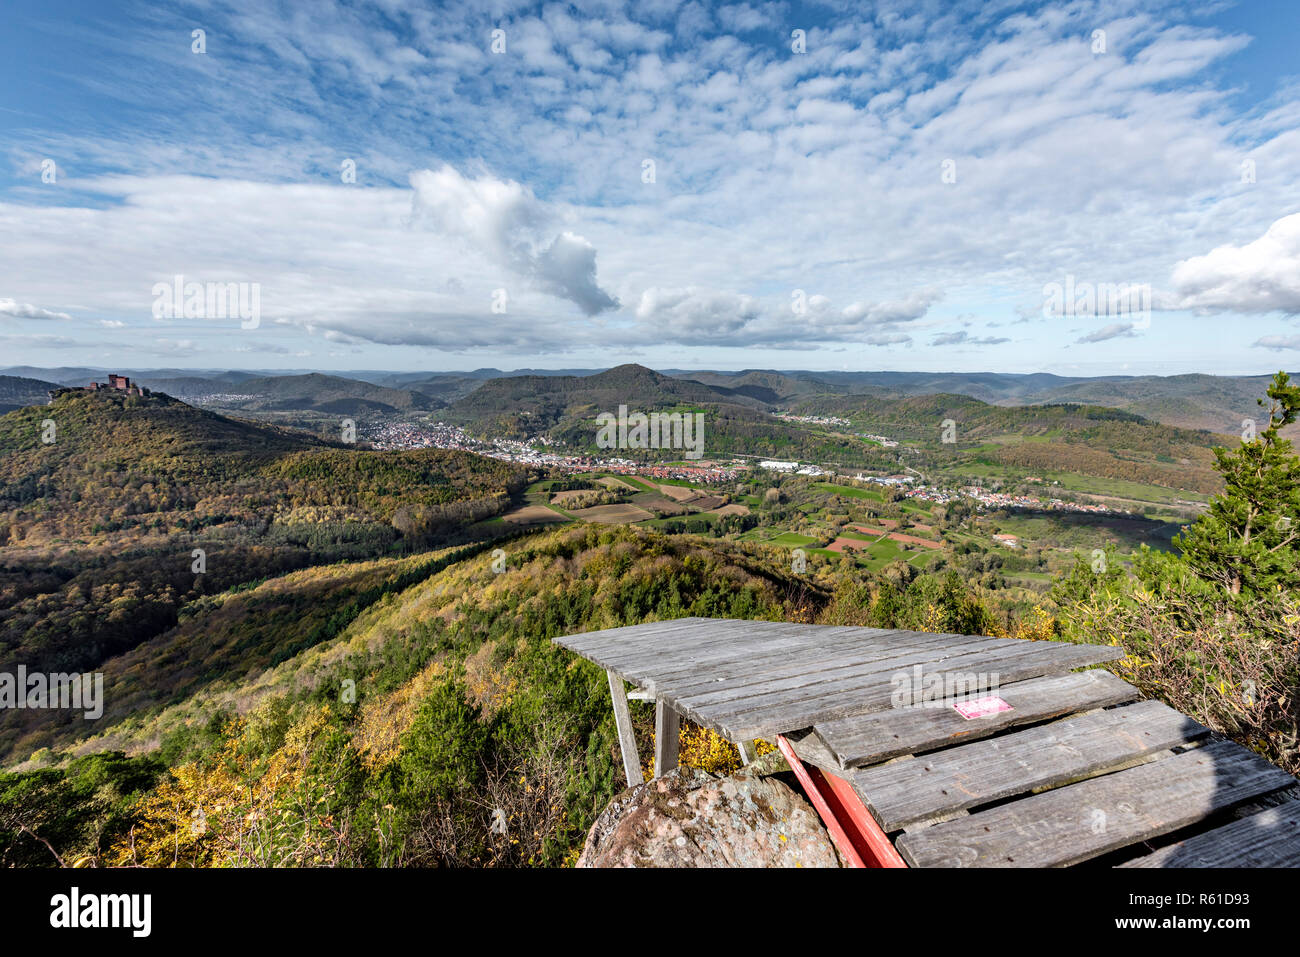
[{"x": 1086, "y": 188}]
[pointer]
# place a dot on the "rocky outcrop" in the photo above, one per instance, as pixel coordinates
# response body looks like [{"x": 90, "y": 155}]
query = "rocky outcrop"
[{"x": 690, "y": 818}]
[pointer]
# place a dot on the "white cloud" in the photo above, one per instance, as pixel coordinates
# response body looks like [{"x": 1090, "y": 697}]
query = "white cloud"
[
  {"x": 505, "y": 221},
  {"x": 1113, "y": 331},
  {"x": 699, "y": 315},
  {"x": 960, "y": 337},
  {"x": 709, "y": 316},
  {"x": 25, "y": 310},
  {"x": 899, "y": 310},
  {"x": 1277, "y": 343},
  {"x": 1261, "y": 276}
]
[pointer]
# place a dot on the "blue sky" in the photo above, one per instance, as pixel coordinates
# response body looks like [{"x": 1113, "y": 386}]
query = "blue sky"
[{"x": 905, "y": 191}]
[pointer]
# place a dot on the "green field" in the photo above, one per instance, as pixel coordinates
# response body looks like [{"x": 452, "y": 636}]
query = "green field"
[
  {"x": 850, "y": 491},
  {"x": 791, "y": 540},
  {"x": 1078, "y": 482}
]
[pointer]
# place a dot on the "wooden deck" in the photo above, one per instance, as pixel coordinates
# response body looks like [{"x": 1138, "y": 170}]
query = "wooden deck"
[{"x": 1052, "y": 767}]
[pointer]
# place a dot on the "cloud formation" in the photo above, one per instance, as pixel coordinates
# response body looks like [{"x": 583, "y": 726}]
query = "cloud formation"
[
  {"x": 1277, "y": 343},
  {"x": 826, "y": 171},
  {"x": 25, "y": 310},
  {"x": 1113, "y": 331},
  {"x": 1259, "y": 277},
  {"x": 962, "y": 338},
  {"x": 506, "y": 222}
]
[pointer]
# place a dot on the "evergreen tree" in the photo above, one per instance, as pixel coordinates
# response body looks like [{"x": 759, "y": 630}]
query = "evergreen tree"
[{"x": 1248, "y": 540}]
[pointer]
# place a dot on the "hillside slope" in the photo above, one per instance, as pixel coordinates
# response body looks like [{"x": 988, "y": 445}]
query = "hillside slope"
[
  {"x": 140, "y": 506},
  {"x": 17, "y": 392},
  {"x": 314, "y": 392}
]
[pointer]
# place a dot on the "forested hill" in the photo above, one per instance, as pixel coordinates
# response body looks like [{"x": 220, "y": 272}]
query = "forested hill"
[
  {"x": 138, "y": 506},
  {"x": 311, "y": 392},
  {"x": 128, "y": 463},
  {"x": 17, "y": 391},
  {"x": 519, "y": 405}
]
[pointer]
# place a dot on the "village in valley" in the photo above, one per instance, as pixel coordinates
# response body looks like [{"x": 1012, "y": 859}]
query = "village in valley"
[{"x": 816, "y": 511}]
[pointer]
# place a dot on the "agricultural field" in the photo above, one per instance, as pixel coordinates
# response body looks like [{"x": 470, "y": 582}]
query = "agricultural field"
[
  {"x": 533, "y": 515},
  {"x": 625, "y": 514}
]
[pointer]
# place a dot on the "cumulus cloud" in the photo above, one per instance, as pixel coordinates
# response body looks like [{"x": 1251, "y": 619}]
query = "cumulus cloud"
[
  {"x": 893, "y": 311},
  {"x": 25, "y": 310},
  {"x": 1113, "y": 331},
  {"x": 1277, "y": 343},
  {"x": 694, "y": 314},
  {"x": 506, "y": 222},
  {"x": 1261, "y": 276}
]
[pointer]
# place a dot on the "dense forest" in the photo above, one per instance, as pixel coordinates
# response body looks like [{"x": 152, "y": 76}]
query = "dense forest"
[{"x": 142, "y": 507}]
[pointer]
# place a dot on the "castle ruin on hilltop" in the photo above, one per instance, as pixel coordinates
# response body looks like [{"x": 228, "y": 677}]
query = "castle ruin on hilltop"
[{"x": 115, "y": 383}]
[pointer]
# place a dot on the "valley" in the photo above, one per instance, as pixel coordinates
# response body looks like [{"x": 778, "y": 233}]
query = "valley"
[{"x": 242, "y": 576}]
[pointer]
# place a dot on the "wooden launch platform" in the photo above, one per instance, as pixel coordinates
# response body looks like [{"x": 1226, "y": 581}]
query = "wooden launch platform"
[{"x": 938, "y": 750}]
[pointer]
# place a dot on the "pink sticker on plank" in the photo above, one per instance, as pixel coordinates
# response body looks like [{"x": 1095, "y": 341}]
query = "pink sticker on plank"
[{"x": 981, "y": 707}]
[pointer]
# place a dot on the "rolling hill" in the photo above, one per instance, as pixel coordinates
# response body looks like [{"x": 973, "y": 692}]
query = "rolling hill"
[
  {"x": 142, "y": 505},
  {"x": 1213, "y": 403},
  {"x": 17, "y": 392},
  {"x": 314, "y": 392},
  {"x": 1085, "y": 439}
]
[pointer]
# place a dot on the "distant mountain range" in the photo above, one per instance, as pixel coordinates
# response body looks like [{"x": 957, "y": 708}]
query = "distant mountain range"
[
  {"x": 1193, "y": 401},
  {"x": 314, "y": 392}
]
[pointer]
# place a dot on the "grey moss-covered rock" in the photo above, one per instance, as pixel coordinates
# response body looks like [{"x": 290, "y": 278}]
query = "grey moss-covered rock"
[{"x": 689, "y": 818}]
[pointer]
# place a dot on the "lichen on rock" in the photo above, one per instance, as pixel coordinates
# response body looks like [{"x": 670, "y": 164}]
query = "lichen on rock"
[{"x": 690, "y": 818}]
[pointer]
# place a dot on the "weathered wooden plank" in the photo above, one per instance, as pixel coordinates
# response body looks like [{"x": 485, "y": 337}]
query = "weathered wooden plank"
[
  {"x": 867, "y": 739},
  {"x": 771, "y": 650},
  {"x": 667, "y": 641},
  {"x": 732, "y": 679},
  {"x": 984, "y": 771},
  {"x": 649, "y": 661},
  {"x": 753, "y": 655},
  {"x": 840, "y": 704},
  {"x": 667, "y": 635},
  {"x": 763, "y": 717},
  {"x": 1084, "y": 820},
  {"x": 667, "y": 728},
  {"x": 678, "y": 633},
  {"x": 1269, "y": 838},
  {"x": 811, "y": 750},
  {"x": 626, "y": 737},
  {"x": 879, "y": 672},
  {"x": 604, "y": 638},
  {"x": 660, "y": 650},
  {"x": 846, "y": 652}
]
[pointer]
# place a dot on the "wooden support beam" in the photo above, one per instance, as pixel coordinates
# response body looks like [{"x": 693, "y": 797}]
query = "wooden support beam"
[
  {"x": 747, "y": 751},
  {"x": 667, "y": 725},
  {"x": 626, "y": 739}
]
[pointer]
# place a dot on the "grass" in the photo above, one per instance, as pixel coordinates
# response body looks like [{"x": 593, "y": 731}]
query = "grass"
[
  {"x": 791, "y": 539},
  {"x": 850, "y": 492},
  {"x": 1078, "y": 482}
]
